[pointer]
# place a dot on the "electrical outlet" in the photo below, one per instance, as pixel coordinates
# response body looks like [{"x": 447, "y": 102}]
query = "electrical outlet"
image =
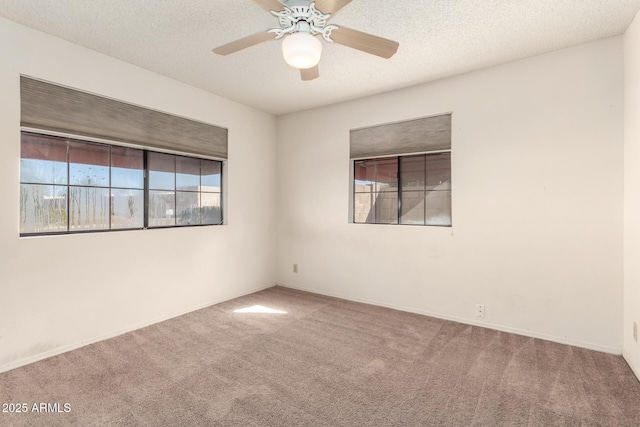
[
  {"x": 295, "y": 268},
  {"x": 635, "y": 331},
  {"x": 479, "y": 310}
]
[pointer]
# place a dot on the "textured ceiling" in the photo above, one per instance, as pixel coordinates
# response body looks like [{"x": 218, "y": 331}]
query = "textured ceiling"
[{"x": 438, "y": 38}]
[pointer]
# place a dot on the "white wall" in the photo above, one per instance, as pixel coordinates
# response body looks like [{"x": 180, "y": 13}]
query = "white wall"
[
  {"x": 59, "y": 292},
  {"x": 632, "y": 193},
  {"x": 537, "y": 201}
]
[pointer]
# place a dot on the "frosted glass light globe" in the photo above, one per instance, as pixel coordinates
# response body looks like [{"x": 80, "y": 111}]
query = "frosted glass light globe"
[{"x": 301, "y": 50}]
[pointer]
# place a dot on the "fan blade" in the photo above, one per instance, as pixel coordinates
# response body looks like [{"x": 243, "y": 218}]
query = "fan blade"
[
  {"x": 331, "y": 6},
  {"x": 374, "y": 45},
  {"x": 309, "y": 73},
  {"x": 269, "y": 5},
  {"x": 243, "y": 43}
]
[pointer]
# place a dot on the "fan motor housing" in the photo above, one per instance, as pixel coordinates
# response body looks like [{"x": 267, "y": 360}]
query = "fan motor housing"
[{"x": 302, "y": 16}]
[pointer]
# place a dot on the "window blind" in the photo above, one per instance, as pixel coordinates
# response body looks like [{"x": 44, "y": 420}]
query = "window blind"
[
  {"x": 411, "y": 136},
  {"x": 57, "y": 108}
]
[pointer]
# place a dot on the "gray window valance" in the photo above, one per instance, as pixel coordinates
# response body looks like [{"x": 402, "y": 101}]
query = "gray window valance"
[
  {"x": 411, "y": 136},
  {"x": 57, "y": 108}
]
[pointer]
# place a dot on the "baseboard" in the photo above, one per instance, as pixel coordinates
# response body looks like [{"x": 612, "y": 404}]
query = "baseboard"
[
  {"x": 497, "y": 327},
  {"x": 627, "y": 359},
  {"x": 59, "y": 350}
]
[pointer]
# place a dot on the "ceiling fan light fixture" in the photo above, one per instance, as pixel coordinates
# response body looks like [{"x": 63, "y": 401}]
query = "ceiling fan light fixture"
[{"x": 301, "y": 50}]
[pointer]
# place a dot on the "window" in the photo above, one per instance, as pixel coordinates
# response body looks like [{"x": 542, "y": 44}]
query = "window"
[
  {"x": 402, "y": 172},
  {"x": 69, "y": 185},
  {"x": 183, "y": 190},
  {"x": 413, "y": 190}
]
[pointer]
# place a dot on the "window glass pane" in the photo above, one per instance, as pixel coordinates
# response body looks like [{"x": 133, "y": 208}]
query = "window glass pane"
[
  {"x": 439, "y": 171},
  {"x": 438, "y": 208},
  {"x": 365, "y": 176},
  {"x": 43, "y": 208},
  {"x": 187, "y": 173},
  {"x": 42, "y": 147},
  {"x": 88, "y": 208},
  {"x": 387, "y": 175},
  {"x": 162, "y": 171},
  {"x": 162, "y": 208},
  {"x": 127, "y": 167},
  {"x": 413, "y": 173},
  {"x": 376, "y": 191},
  {"x": 362, "y": 207},
  {"x": 188, "y": 208},
  {"x": 211, "y": 208},
  {"x": 376, "y": 208},
  {"x": 412, "y": 211},
  {"x": 211, "y": 175},
  {"x": 127, "y": 208},
  {"x": 43, "y": 159},
  {"x": 385, "y": 206},
  {"x": 88, "y": 164},
  {"x": 379, "y": 174}
]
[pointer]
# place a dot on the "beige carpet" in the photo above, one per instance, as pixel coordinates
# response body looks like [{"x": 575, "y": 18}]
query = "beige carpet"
[{"x": 326, "y": 362}]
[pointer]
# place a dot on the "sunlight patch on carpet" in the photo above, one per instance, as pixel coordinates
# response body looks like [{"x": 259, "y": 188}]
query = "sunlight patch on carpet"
[{"x": 259, "y": 309}]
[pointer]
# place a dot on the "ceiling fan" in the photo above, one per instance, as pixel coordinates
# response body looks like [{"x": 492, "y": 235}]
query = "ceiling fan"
[{"x": 300, "y": 22}]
